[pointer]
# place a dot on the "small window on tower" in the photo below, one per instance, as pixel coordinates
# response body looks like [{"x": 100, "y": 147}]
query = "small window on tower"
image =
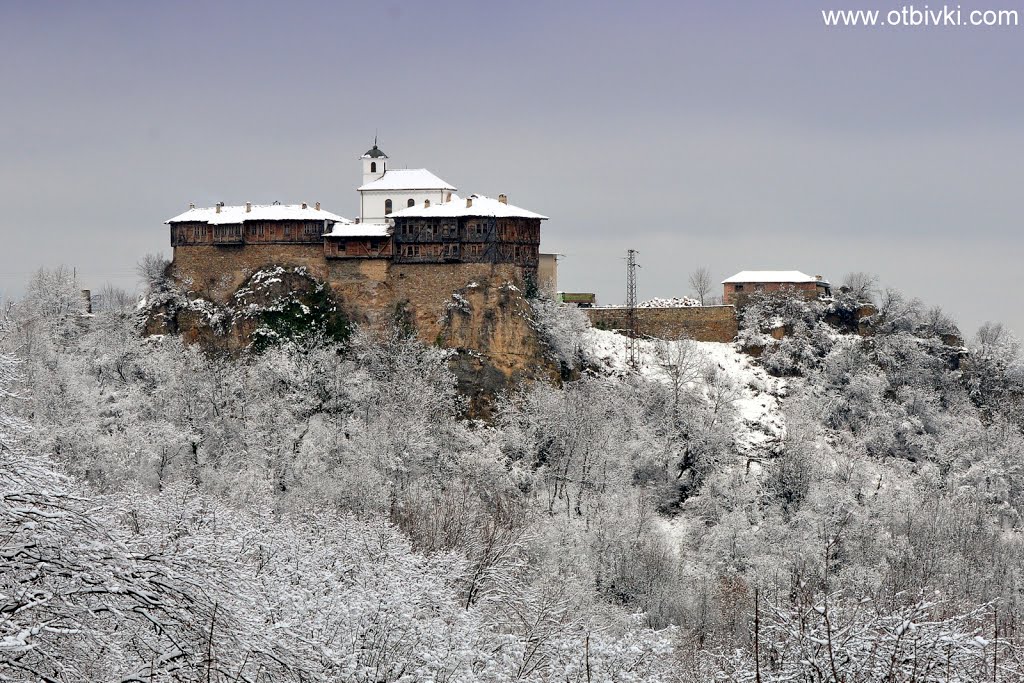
[
  {"x": 373, "y": 167},
  {"x": 411, "y": 202},
  {"x": 387, "y": 206}
]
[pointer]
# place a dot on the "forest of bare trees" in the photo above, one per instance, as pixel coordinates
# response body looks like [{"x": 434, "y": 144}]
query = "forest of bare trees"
[{"x": 842, "y": 508}]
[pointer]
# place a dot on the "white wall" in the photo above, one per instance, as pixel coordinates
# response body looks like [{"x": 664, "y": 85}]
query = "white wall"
[
  {"x": 371, "y": 202},
  {"x": 368, "y": 175}
]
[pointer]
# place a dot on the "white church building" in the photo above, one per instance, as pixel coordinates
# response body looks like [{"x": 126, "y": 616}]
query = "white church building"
[{"x": 386, "y": 190}]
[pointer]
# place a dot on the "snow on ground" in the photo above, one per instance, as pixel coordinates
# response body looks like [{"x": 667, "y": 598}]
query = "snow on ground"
[
  {"x": 755, "y": 398},
  {"x": 755, "y": 395}
]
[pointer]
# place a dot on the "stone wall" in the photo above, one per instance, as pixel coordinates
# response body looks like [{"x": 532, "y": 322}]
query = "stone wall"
[
  {"x": 216, "y": 272},
  {"x": 376, "y": 292},
  {"x": 371, "y": 291},
  {"x": 737, "y": 294},
  {"x": 701, "y": 323}
]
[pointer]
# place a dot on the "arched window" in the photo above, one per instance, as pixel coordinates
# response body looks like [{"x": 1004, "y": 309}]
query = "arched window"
[
  {"x": 411, "y": 202},
  {"x": 387, "y": 206},
  {"x": 373, "y": 167}
]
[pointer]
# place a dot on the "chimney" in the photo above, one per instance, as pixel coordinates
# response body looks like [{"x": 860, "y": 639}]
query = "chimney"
[
  {"x": 218, "y": 207},
  {"x": 304, "y": 205},
  {"x": 191, "y": 205},
  {"x": 818, "y": 277},
  {"x": 318, "y": 206},
  {"x": 448, "y": 197},
  {"x": 248, "y": 207},
  {"x": 87, "y": 300},
  {"x": 469, "y": 202},
  {"x": 503, "y": 198}
]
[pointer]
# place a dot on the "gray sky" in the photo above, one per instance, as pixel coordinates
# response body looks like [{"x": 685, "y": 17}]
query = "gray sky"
[{"x": 737, "y": 135}]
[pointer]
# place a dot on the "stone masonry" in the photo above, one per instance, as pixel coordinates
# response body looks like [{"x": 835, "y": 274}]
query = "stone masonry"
[{"x": 700, "y": 323}]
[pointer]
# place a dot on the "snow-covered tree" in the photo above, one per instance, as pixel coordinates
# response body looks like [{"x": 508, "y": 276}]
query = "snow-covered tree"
[{"x": 562, "y": 327}]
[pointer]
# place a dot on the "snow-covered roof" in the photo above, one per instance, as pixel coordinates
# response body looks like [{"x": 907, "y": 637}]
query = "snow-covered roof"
[
  {"x": 359, "y": 230},
  {"x": 481, "y": 206},
  {"x": 407, "y": 179},
  {"x": 256, "y": 212},
  {"x": 789, "y": 276}
]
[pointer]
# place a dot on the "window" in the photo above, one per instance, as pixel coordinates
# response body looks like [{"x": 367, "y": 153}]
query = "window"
[
  {"x": 739, "y": 288},
  {"x": 387, "y": 206},
  {"x": 411, "y": 202},
  {"x": 410, "y": 250},
  {"x": 373, "y": 167}
]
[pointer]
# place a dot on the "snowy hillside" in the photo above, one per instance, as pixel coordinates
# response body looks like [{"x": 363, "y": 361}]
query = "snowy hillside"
[
  {"x": 754, "y": 395},
  {"x": 324, "y": 510}
]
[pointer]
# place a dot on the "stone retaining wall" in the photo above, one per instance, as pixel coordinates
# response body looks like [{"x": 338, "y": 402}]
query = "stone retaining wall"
[{"x": 701, "y": 323}]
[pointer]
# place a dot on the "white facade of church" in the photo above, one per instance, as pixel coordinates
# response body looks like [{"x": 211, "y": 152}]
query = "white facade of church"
[{"x": 386, "y": 190}]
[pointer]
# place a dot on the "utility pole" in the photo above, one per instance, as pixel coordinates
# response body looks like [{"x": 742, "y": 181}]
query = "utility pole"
[{"x": 631, "y": 267}]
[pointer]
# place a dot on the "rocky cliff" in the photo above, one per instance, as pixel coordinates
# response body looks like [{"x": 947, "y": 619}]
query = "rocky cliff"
[{"x": 482, "y": 314}]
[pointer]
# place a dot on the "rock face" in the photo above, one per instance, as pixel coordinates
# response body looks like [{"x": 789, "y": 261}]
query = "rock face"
[
  {"x": 490, "y": 326},
  {"x": 479, "y": 310},
  {"x": 272, "y": 304}
]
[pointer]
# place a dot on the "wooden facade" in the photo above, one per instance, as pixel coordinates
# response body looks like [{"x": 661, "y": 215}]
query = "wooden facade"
[
  {"x": 357, "y": 247},
  {"x": 453, "y": 239},
  {"x": 467, "y": 239},
  {"x": 250, "y": 232}
]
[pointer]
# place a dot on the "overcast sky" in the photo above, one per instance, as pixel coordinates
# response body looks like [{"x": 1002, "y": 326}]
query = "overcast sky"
[{"x": 736, "y": 135}]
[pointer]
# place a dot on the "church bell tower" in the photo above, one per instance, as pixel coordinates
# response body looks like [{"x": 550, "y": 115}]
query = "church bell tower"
[{"x": 374, "y": 163}]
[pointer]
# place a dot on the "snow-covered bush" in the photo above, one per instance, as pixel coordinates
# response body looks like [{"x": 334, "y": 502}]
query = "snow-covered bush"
[
  {"x": 995, "y": 371},
  {"x": 52, "y": 294},
  {"x": 895, "y": 313},
  {"x": 787, "y": 330},
  {"x": 838, "y": 638},
  {"x": 152, "y": 271},
  {"x": 561, "y": 326}
]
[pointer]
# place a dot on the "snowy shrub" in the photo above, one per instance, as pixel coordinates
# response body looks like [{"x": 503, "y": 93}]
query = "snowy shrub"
[
  {"x": 287, "y": 305},
  {"x": 896, "y": 313},
  {"x": 995, "y": 371},
  {"x": 152, "y": 271},
  {"x": 787, "y": 329},
  {"x": 561, "y": 327},
  {"x": 838, "y": 638}
]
